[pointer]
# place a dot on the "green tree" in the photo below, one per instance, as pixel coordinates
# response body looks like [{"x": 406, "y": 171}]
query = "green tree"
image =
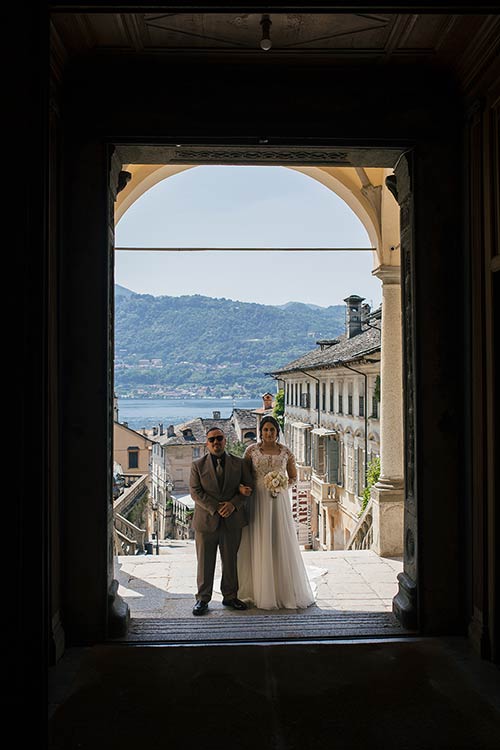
[
  {"x": 279, "y": 407},
  {"x": 236, "y": 448},
  {"x": 372, "y": 475}
]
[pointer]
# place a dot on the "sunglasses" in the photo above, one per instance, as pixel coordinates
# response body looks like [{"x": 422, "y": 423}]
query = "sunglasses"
[{"x": 219, "y": 438}]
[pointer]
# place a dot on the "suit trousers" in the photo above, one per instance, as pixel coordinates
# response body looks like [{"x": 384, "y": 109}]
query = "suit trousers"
[{"x": 228, "y": 542}]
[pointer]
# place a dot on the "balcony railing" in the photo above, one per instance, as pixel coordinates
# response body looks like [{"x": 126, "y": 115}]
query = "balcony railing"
[{"x": 323, "y": 490}]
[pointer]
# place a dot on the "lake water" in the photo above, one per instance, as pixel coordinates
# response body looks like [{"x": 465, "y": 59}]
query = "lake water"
[{"x": 148, "y": 412}]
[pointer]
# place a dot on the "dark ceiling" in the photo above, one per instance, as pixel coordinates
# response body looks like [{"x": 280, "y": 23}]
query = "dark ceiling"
[{"x": 371, "y": 37}]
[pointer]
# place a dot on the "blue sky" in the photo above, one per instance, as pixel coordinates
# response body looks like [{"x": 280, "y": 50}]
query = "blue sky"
[{"x": 222, "y": 206}]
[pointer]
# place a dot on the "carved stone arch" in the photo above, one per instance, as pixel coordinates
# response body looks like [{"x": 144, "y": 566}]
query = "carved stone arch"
[
  {"x": 339, "y": 181},
  {"x": 374, "y": 436}
]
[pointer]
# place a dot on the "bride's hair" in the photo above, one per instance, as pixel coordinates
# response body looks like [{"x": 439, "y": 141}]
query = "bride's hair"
[{"x": 274, "y": 422}]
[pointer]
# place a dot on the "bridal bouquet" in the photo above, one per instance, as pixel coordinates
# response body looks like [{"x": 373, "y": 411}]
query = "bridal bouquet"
[{"x": 275, "y": 481}]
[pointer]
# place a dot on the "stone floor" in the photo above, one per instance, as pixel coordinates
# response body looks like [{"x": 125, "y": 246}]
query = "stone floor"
[
  {"x": 394, "y": 693},
  {"x": 353, "y": 592},
  {"x": 163, "y": 586},
  {"x": 411, "y": 694}
]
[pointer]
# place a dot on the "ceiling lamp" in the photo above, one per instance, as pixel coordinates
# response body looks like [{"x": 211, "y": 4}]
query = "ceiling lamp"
[{"x": 265, "y": 42}]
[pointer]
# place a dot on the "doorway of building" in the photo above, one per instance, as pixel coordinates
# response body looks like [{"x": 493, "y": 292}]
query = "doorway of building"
[{"x": 346, "y": 451}]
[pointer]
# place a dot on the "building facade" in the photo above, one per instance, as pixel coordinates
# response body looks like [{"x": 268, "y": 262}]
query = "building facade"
[
  {"x": 173, "y": 453},
  {"x": 131, "y": 449},
  {"x": 332, "y": 397}
]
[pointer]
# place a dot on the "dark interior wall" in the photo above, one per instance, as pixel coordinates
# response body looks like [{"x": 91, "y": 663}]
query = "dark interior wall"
[
  {"x": 109, "y": 100},
  {"x": 144, "y": 98}
]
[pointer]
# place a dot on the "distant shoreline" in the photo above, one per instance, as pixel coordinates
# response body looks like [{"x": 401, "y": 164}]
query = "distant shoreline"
[
  {"x": 187, "y": 398},
  {"x": 141, "y": 413}
]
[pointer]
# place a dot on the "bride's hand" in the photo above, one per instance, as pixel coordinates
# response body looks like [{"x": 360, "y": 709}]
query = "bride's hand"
[{"x": 245, "y": 490}]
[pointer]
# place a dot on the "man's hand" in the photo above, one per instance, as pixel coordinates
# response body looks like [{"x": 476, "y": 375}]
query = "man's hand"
[
  {"x": 244, "y": 489},
  {"x": 225, "y": 509}
]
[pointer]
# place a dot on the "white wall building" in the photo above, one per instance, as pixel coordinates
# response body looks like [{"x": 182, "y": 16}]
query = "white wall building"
[{"x": 332, "y": 426}]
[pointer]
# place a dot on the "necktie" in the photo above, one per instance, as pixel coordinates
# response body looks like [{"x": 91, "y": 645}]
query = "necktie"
[{"x": 219, "y": 471}]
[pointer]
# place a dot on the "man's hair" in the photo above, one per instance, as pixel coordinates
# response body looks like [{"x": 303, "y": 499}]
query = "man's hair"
[{"x": 211, "y": 429}]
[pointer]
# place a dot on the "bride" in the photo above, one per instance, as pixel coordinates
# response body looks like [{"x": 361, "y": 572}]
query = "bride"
[{"x": 271, "y": 571}]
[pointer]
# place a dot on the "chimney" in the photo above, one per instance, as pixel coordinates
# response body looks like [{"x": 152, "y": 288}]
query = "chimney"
[
  {"x": 155, "y": 431},
  {"x": 170, "y": 430},
  {"x": 267, "y": 401},
  {"x": 365, "y": 312},
  {"x": 125, "y": 424},
  {"x": 353, "y": 315},
  {"x": 216, "y": 414},
  {"x": 162, "y": 431}
]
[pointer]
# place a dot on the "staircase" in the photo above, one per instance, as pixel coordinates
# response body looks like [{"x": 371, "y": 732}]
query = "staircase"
[{"x": 129, "y": 539}]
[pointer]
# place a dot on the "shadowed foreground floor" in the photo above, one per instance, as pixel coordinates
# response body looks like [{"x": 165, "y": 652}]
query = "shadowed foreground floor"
[{"x": 422, "y": 694}]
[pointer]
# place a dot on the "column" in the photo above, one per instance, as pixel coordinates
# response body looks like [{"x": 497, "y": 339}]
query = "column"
[{"x": 388, "y": 493}]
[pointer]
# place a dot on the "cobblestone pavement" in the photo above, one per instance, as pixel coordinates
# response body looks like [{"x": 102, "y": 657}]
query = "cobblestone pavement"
[{"x": 163, "y": 586}]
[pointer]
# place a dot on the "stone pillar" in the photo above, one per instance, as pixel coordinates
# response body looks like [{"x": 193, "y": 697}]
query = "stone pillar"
[{"x": 388, "y": 493}]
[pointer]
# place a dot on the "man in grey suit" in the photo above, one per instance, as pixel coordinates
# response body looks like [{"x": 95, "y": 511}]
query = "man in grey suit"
[{"x": 219, "y": 516}]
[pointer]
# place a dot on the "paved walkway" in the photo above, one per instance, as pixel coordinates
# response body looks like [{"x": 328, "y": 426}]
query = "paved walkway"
[{"x": 163, "y": 586}]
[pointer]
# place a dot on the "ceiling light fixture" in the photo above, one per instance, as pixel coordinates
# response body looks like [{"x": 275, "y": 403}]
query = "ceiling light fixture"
[{"x": 265, "y": 42}]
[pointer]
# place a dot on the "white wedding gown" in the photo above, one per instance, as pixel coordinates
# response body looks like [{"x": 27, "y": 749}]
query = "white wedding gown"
[{"x": 271, "y": 572}]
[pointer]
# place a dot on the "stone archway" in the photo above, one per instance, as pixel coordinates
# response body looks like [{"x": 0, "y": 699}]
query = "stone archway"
[{"x": 366, "y": 192}]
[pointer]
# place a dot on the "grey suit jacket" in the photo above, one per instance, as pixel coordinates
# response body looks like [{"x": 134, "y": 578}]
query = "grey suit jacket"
[{"x": 206, "y": 494}]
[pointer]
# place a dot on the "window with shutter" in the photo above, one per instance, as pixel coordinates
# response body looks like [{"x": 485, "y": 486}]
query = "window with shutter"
[
  {"x": 307, "y": 448},
  {"x": 332, "y": 460}
]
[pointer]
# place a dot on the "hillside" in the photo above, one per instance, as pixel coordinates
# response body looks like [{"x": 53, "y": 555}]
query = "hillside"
[{"x": 211, "y": 346}]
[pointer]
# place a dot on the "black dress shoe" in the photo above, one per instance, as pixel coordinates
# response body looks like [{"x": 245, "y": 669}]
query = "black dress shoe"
[
  {"x": 234, "y": 603},
  {"x": 200, "y": 608}
]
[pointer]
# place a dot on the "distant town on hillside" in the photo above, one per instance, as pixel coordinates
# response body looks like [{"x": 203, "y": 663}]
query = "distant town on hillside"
[{"x": 210, "y": 347}]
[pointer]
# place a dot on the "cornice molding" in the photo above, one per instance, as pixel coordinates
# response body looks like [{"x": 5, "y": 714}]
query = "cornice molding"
[
  {"x": 249, "y": 154},
  {"x": 388, "y": 274}
]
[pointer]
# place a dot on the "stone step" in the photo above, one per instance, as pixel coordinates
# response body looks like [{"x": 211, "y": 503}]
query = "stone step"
[{"x": 241, "y": 627}]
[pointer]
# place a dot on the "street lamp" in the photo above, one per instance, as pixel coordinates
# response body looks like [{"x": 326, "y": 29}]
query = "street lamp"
[{"x": 154, "y": 506}]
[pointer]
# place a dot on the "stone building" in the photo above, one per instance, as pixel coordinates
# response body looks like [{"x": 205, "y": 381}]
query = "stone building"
[
  {"x": 131, "y": 449},
  {"x": 174, "y": 450},
  {"x": 332, "y": 427}
]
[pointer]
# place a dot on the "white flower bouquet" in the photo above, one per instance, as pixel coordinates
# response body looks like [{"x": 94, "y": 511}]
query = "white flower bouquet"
[{"x": 275, "y": 481}]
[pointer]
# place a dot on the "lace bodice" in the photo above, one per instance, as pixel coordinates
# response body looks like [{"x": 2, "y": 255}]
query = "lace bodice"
[{"x": 262, "y": 463}]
